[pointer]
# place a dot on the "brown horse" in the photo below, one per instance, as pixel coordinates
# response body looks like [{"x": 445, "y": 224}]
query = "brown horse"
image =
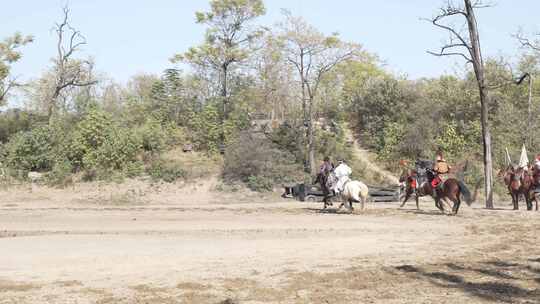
[
  {"x": 512, "y": 178},
  {"x": 409, "y": 182},
  {"x": 519, "y": 182},
  {"x": 450, "y": 190},
  {"x": 527, "y": 187},
  {"x": 530, "y": 183}
]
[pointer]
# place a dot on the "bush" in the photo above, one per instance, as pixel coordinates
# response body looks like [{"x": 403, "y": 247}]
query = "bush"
[
  {"x": 119, "y": 148},
  {"x": 259, "y": 183},
  {"x": 258, "y": 163},
  {"x": 152, "y": 136},
  {"x": 13, "y": 121},
  {"x": 60, "y": 175},
  {"x": 90, "y": 133},
  {"x": 159, "y": 170},
  {"x": 207, "y": 129},
  {"x": 99, "y": 143},
  {"x": 30, "y": 150}
]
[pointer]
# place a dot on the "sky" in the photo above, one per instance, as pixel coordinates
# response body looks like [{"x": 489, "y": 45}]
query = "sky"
[{"x": 129, "y": 37}]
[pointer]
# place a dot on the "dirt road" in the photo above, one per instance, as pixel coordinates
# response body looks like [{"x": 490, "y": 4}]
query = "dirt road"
[{"x": 64, "y": 249}]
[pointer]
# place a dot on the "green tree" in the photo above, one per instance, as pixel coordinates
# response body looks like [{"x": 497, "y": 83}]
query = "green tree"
[
  {"x": 10, "y": 54},
  {"x": 227, "y": 41},
  {"x": 313, "y": 55}
]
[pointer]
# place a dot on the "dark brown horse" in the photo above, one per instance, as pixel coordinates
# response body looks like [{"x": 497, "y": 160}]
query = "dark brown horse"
[
  {"x": 450, "y": 190},
  {"x": 527, "y": 187},
  {"x": 322, "y": 180},
  {"x": 512, "y": 179},
  {"x": 520, "y": 182}
]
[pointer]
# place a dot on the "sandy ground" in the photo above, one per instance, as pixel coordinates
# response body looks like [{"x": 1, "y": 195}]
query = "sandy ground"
[{"x": 137, "y": 243}]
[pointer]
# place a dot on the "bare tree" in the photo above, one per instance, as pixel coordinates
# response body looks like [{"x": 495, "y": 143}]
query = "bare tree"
[
  {"x": 468, "y": 47},
  {"x": 68, "y": 72},
  {"x": 312, "y": 55},
  {"x": 533, "y": 45}
]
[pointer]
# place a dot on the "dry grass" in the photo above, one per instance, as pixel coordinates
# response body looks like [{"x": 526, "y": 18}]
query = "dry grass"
[
  {"x": 10, "y": 286},
  {"x": 71, "y": 283}
]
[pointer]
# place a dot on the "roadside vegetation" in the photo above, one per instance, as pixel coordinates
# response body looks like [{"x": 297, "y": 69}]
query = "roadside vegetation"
[{"x": 247, "y": 111}]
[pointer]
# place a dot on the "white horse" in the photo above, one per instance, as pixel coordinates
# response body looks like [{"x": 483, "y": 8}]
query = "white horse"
[{"x": 353, "y": 191}]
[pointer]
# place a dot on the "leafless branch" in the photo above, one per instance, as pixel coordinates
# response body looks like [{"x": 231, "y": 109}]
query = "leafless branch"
[
  {"x": 443, "y": 53},
  {"x": 526, "y": 42},
  {"x": 69, "y": 72},
  {"x": 10, "y": 84}
]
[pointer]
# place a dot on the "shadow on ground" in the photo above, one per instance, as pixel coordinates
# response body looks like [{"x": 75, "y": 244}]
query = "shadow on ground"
[{"x": 493, "y": 281}]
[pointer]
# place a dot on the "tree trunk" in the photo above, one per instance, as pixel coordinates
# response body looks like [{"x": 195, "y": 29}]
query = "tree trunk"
[
  {"x": 224, "y": 92},
  {"x": 529, "y": 113},
  {"x": 311, "y": 138},
  {"x": 307, "y": 119},
  {"x": 51, "y": 106},
  {"x": 478, "y": 65},
  {"x": 488, "y": 163}
]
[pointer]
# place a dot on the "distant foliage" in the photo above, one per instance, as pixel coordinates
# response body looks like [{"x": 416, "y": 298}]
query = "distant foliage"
[{"x": 15, "y": 120}]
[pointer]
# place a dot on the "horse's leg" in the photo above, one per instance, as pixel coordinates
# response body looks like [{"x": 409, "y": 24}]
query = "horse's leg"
[
  {"x": 515, "y": 198},
  {"x": 528, "y": 201},
  {"x": 439, "y": 205},
  {"x": 351, "y": 204},
  {"x": 457, "y": 202},
  {"x": 417, "y": 203},
  {"x": 444, "y": 199},
  {"x": 342, "y": 203},
  {"x": 407, "y": 195},
  {"x": 362, "y": 203}
]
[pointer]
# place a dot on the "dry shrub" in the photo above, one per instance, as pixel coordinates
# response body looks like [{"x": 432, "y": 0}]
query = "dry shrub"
[{"x": 258, "y": 163}]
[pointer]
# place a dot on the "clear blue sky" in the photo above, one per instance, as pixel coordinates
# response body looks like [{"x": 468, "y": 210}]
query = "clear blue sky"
[{"x": 127, "y": 37}]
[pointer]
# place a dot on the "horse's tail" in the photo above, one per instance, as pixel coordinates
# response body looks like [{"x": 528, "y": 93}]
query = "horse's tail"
[{"x": 466, "y": 193}]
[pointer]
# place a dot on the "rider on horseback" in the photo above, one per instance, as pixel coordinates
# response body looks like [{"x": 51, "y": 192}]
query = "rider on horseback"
[
  {"x": 342, "y": 172},
  {"x": 440, "y": 168},
  {"x": 326, "y": 166}
]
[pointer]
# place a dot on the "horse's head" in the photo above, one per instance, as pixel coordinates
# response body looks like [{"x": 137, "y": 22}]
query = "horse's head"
[{"x": 406, "y": 175}]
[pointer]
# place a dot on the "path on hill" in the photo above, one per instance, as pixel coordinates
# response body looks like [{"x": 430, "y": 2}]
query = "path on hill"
[{"x": 366, "y": 158}]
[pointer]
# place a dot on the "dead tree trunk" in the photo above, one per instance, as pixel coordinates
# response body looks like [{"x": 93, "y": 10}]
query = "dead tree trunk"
[
  {"x": 69, "y": 72},
  {"x": 478, "y": 65},
  {"x": 471, "y": 51},
  {"x": 529, "y": 112}
]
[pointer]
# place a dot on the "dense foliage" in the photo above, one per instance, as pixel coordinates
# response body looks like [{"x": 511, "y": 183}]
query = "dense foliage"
[{"x": 245, "y": 96}]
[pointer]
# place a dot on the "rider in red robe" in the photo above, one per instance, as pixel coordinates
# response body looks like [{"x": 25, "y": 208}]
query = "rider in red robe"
[{"x": 441, "y": 167}]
